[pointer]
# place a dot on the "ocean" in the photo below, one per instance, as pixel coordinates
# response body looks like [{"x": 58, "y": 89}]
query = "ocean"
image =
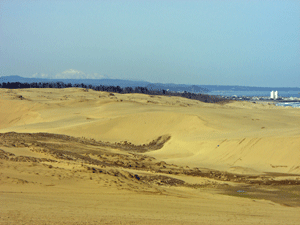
[{"x": 284, "y": 94}]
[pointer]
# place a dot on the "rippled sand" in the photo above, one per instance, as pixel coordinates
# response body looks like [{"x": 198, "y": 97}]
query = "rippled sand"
[{"x": 71, "y": 156}]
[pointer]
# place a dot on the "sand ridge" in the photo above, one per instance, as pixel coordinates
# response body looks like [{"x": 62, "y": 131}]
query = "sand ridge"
[{"x": 167, "y": 151}]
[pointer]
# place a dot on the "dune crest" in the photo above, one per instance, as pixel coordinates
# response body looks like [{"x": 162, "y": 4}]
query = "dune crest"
[{"x": 77, "y": 156}]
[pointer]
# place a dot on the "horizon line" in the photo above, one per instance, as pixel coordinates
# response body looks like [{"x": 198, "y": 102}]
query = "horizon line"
[{"x": 142, "y": 81}]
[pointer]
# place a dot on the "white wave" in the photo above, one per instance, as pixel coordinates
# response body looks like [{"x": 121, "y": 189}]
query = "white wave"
[{"x": 292, "y": 104}]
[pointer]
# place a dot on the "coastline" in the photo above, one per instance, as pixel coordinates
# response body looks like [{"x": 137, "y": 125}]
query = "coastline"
[{"x": 281, "y": 101}]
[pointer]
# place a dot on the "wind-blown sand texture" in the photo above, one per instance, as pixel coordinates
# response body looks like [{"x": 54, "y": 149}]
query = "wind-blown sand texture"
[{"x": 72, "y": 156}]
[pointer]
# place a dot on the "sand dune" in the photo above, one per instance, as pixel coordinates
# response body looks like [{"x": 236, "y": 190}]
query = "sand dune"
[{"x": 158, "y": 159}]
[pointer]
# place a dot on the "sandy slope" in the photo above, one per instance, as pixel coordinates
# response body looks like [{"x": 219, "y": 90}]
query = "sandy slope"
[
  {"x": 263, "y": 138},
  {"x": 236, "y": 138}
]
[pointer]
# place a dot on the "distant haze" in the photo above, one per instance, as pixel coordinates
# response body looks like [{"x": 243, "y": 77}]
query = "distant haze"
[{"x": 247, "y": 43}]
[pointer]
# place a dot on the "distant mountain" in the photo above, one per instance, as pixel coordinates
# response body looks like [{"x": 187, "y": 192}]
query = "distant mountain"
[
  {"x": 109, "y": 82},
  {"x": 153, "y": 86},
  {"x": 16, "y": 78},
  {"x": 178, "y": 87}
]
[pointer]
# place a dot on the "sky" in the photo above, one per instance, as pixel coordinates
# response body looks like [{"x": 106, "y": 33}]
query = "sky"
[{"x": 208, "y": 42}]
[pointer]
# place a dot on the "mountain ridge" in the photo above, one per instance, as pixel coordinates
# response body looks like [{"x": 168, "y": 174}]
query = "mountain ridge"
[{"x": 131, "y": 83}]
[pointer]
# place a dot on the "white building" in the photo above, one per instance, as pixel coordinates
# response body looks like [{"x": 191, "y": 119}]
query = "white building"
[{"x": 274, "y": 95}]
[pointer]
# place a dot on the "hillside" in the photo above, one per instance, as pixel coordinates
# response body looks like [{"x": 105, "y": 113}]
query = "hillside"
[{"x": 89, "y": 157}]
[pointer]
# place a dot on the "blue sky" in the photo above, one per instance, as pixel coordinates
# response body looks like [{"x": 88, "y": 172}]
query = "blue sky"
[{"x": 248, "y": 43}]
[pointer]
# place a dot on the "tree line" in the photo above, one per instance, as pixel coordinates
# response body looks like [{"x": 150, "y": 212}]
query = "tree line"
[{"x": 116, "y": 89}]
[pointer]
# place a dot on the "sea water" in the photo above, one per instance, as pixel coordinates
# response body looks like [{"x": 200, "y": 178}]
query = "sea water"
[
  {"x": 292, "y": 104},
  {"x": 284, "y": 94}
]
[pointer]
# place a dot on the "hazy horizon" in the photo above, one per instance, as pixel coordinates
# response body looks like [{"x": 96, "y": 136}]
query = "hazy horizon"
[{"x": 244, "y": 43}]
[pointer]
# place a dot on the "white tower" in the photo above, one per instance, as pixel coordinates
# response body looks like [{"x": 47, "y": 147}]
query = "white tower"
[
  {"x": 272, "y": 95},
  {"x": 276, "y": 95}
]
